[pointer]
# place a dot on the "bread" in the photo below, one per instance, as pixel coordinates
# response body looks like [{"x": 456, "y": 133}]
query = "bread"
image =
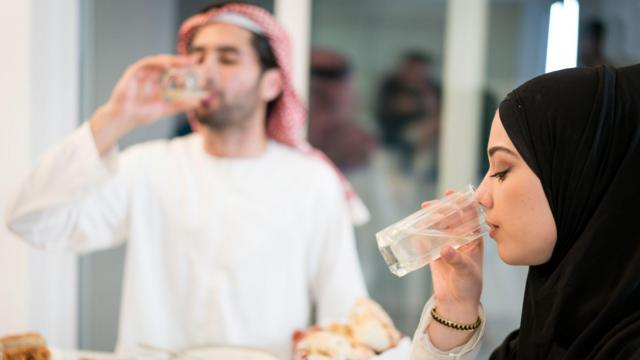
[
  {"x": 29, "y": 346},
  {"x": 372, "y": 326},
  {"x": 322, "y": 344},
  {"x": 368, "y": 332}
]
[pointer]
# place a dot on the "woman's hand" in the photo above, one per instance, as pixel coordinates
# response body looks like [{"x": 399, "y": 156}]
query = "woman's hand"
[
  {"x": 457, "y": 281},
  {"x": 457, "y": 285}
]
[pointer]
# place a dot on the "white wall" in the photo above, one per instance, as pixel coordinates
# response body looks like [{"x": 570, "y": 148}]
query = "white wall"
[
  {"x": 294, "y": 15},
  {"x": 463, "y": 82},
  {"x": 54, "y": 106},
  {"x": 15, "y": 154},
  {"x": 39, "y": 107}
]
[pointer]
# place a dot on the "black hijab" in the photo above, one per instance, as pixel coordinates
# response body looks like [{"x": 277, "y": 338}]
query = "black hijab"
[{"x": 579, "y": 131}]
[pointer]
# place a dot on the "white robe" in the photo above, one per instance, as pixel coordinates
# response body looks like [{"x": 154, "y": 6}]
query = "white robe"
[{"x": 220, "y": 251}]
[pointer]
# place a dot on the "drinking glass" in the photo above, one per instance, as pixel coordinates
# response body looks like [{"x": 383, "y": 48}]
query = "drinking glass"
[
  {"x": 416, "y": 240},
  {"x": 183, "y": 83}
]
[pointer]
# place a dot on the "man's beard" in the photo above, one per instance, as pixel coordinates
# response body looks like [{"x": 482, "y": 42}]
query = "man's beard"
[{"x": 229, "y": 113}]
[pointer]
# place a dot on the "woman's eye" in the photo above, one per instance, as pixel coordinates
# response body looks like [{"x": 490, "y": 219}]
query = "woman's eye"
[{"x": 501, "y": 175}]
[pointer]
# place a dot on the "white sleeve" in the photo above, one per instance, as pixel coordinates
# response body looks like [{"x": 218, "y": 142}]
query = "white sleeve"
[
  {"x": 423, "y": 349},
  {"x": 336, "y": 277},
  {"x": 74, "y": 199}
]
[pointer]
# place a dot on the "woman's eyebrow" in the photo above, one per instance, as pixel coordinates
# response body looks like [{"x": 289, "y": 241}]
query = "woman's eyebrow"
[{"x": 495, "y": 149}]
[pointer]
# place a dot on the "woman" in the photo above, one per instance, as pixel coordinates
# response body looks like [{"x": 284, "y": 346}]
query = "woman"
[{"x": 561, "y": 195}]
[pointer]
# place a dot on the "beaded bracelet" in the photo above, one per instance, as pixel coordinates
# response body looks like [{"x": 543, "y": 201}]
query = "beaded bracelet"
[{"x": 453, "y": 325}]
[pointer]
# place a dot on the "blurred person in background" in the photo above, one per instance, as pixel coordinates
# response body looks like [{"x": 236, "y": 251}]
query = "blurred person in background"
[
  {"x": 408, "y": 112},
  {"x": 235, "y": 232},
  {"x": 333, "y": 125},
  {"x": 591, "y": 44}
]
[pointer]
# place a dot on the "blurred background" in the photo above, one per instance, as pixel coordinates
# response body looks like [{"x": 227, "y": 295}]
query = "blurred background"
[{"x": 401, "y": 95}]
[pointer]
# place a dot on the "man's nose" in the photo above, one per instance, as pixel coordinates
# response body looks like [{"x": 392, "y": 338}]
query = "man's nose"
[{"x": 208, "y": 69}]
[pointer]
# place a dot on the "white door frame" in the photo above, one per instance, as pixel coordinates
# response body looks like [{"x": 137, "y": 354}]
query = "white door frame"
[{"x": 42, "y": 108}]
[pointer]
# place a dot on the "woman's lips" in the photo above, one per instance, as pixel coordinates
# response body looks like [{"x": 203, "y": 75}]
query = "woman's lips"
[{"x": 493, "y": 228}]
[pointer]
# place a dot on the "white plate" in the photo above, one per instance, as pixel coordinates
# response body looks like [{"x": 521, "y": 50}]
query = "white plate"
[{"x": 226, "y": 353}]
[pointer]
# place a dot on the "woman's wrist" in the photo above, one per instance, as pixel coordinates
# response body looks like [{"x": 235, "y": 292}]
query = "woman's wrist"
[
  {"x": 445, "y": 337},
  {"x": 465, "y": 313},
  {"x": 455, "y": 325}
]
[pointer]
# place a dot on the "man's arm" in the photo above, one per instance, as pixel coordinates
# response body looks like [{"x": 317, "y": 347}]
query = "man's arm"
[
  {"x": 136, "y": 100},
  {"x": 76, "y": 197},
  {"x": 73, "y": 199}
]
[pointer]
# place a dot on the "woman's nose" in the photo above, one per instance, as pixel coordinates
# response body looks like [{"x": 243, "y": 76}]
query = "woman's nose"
[{"x": 482, "y": 193}]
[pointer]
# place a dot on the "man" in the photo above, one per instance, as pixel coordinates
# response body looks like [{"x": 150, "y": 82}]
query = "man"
[
  {"x": 234, "y": 232},
  {"x": 333, "y": 123},
  {"x": 591, "y": 44},
  {"x": 409, "y": 109}
]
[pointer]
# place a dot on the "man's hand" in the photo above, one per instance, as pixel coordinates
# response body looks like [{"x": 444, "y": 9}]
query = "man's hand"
[{"x": 138, "y": 99}]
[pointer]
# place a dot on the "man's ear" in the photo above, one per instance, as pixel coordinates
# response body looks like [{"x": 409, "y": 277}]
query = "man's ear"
[{"x": 271, "y": 85}]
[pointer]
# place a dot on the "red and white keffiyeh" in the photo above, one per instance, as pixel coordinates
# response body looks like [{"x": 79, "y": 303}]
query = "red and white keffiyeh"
[{"x": 286, "y": 123}]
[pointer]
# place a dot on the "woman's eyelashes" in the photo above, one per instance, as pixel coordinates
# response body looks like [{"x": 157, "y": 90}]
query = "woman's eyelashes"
[{"x": 501, "y": 175}]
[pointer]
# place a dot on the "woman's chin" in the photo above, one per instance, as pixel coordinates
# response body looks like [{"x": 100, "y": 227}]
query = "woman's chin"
[{"x": 508, "y": 257}]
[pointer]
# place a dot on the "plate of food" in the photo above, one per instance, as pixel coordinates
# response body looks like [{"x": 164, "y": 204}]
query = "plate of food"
[{"x": 368, "y": 334}]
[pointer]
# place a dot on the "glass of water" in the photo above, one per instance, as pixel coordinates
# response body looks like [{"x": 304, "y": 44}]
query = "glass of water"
[
  {"x": 416, "y": 240},
  {"x": 183, "y": 83}
]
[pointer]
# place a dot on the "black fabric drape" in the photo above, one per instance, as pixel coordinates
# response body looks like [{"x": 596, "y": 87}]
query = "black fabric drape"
[{"x": 579, "y": 131}]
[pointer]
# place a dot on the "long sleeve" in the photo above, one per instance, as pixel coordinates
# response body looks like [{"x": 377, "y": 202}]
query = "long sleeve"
[
  {"x": 74, "y": 199},
  {"x": 336, "y": 279},
  {"x": 423, "y": 349}
]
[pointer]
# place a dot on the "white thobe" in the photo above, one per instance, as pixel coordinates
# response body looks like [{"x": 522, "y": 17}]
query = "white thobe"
[{"x": 220, "y": 251}]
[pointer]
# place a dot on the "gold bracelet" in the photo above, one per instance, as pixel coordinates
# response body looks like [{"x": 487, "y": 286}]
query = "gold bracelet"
[{"x": 453, "y": 325}]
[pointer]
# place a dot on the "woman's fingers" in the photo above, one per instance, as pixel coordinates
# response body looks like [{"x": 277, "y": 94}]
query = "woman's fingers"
[
  {"x": 465, "y": 258},
  {"x": 450, "y": 256},
  {"x": 474, "y": 250},
  {"x": 470, "y": 246},
  {"x": 454, "y": 258},
  {"x": 447, "y": 192}
]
